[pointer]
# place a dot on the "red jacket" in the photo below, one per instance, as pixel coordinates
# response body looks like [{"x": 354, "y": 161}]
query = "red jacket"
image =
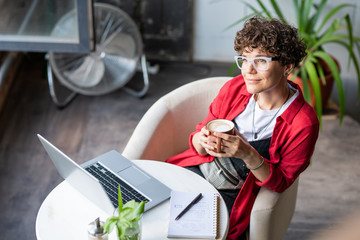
[{"x": 292, "y": 145}]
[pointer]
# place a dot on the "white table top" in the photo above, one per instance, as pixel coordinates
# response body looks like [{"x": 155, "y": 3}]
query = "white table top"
[{"x": 65, "y": 213}]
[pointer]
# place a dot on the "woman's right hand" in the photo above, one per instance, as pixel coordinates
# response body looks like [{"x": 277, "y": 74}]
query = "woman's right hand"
[{"x": 204, "y": 142}]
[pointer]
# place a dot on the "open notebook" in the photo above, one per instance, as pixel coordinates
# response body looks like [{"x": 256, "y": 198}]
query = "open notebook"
[{"x": 201, "y": 221}]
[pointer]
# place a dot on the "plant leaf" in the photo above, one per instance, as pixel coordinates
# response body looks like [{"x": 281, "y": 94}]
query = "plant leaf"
[
  {"x": 139, "y": 210},
  {"x": 120, "y": 202},
  {"x": 265, "y": 10},
  {"x": 356, "y": 63},
  {"x": 232, "y": 69},
  {"x": 311, "y": 72},
  {"x": 321, "y": 73},
  {"x": 336, "y": 74},
  {"x": 126, "y": 213},
  {"x": 278, "y": 11},
  {"x": 121, "y": 229},
  {"x": 301, "y": 16},
  {"x": 306, "y": 89},
  {"x": 110, "y": 224},
  {"x": 305, "y": 13},
  {"x": 326, "y": 40},
  {"x": 349, "y": 28},
  {"x": 314, "y": 19},
  {"x": 258, "y": 12},
  {"x": 357, "y": 44},
  {"x": 330, "y": 14},
  {"x": 134, "y": 210},
  {"x": 130, "y": 204}
]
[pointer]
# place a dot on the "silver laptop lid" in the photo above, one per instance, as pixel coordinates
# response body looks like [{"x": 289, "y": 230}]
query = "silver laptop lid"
[{"x": 78, "y": 177}]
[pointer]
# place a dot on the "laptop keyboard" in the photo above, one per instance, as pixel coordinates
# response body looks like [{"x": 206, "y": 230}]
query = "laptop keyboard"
[{"x": 111, "y": 182}]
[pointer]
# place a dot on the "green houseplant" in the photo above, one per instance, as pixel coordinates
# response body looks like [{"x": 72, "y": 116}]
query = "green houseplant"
[
  {"x": 317, "y": 27},
  {"x": 126, "y": 219}
]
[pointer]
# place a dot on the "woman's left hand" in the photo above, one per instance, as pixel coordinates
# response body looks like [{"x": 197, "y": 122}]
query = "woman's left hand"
[
  {"x": 238, "y": 147},
  {"x": 232, "y": 146}
]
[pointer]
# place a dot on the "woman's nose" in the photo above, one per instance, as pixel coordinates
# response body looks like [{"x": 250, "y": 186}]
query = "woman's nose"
[{"x": 251, "y": 68}]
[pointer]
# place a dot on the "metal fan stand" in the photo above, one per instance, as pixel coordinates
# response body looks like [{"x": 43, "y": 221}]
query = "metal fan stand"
[
  {"x": 110, "y": 66},
  {"x": 63, "y": 101}
]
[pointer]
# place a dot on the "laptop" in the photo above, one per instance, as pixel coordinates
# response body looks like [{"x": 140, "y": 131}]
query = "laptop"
[{"x": 98, "y": 179}]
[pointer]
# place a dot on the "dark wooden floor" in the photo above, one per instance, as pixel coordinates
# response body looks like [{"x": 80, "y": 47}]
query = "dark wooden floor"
[{"x": 86, "y": 128}]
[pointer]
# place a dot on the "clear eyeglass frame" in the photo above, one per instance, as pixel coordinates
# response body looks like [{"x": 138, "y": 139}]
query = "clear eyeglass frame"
[{"x": 259, "y": 63}]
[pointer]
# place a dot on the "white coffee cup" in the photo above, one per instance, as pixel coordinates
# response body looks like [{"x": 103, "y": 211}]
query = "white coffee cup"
[{"x": 220, "y": 125}]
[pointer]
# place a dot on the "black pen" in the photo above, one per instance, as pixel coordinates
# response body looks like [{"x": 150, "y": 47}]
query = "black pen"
[{"x": 193, "y": 202}]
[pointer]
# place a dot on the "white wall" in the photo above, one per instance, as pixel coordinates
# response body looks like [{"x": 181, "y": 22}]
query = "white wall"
[{"x": 211, "y": 41}]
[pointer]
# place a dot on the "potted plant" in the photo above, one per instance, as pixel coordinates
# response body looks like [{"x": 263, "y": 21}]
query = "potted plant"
[
  {"x": 127, "y": 219},
  {"x": 317, "y": 28}
]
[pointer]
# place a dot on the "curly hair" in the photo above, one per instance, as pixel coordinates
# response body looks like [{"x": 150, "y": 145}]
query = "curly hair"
[{"x": 271, "y": 36}]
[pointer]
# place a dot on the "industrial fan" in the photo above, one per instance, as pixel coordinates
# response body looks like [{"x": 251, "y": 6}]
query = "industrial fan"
[{"x": 117, "y": 54}]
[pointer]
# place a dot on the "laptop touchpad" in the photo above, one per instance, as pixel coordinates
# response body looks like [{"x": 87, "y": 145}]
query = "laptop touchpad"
[{"x": 134, "y": 176}]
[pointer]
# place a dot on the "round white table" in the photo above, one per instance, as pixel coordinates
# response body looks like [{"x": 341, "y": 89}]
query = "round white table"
[{"x": 65, "y": 213}]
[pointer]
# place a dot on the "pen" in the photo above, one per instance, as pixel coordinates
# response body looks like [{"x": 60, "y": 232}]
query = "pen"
[{"x": 187, "y": 208}]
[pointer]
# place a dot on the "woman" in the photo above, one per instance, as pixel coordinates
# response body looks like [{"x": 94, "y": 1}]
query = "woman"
[{"x": 276, "y": 129}]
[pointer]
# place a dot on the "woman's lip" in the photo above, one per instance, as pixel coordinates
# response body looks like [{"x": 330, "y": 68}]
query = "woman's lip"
[{"x": 252, "y": 80}]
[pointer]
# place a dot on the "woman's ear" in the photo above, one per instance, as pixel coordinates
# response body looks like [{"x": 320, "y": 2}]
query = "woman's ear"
[{"x": 288, "y": 69}]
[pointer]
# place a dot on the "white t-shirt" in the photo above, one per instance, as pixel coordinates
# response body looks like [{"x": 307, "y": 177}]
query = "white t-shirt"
[{"x": 264, "y": 129}]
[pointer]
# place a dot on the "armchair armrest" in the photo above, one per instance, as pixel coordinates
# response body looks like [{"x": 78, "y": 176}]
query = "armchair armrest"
[
  {"x": 146, "y": 142},
  {"x": 272, "y": 213}
]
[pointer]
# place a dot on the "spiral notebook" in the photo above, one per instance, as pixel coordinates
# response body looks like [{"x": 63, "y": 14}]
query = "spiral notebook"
[{"x": 201, "y": 221}]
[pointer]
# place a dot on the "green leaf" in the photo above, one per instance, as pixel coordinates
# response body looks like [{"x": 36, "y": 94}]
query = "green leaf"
[
  {"x": 357, "y": 44},
  {"x": 353, "y": 58},
  {"x": 126, "y": 213},
  {"x": 349, "y": 28},
  {"x": 326, "y": 40},
  {"x": 232, "y": 69},
  {"x": 336, "y": 74},
  {"x": 121, "y": 229},
  {"x": 306, "y": 89},
  {"x": 265, "y": 10},
  {"x": 309, "y": 39},
  {"x": 314, "y": 19},
  {"x": 256, "y": 12},
  {"x": 358, "y": 74},
  {"x": 130, "y": 204},
  {"x": 278, "y": 11},
  {"x": 120, "y": 202},
  {"x": 331, "y": 14},
  {"x": 133, "y": 210},
  {"x": 311, "y": 71},
  {"x": 139, "y": 210},
  {"x": 305, "y": 12},
  {"x": 110, "y": 224},
  {"x": 321, "y": 73},
  {"x": 301, "y": 20}
]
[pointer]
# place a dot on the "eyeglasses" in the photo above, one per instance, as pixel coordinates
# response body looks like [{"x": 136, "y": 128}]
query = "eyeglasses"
[{"x": 259, "y": 63}]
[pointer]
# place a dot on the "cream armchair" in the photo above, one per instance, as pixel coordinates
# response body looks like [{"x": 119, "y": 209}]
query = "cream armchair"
[{"x": 164, "y": 131}]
